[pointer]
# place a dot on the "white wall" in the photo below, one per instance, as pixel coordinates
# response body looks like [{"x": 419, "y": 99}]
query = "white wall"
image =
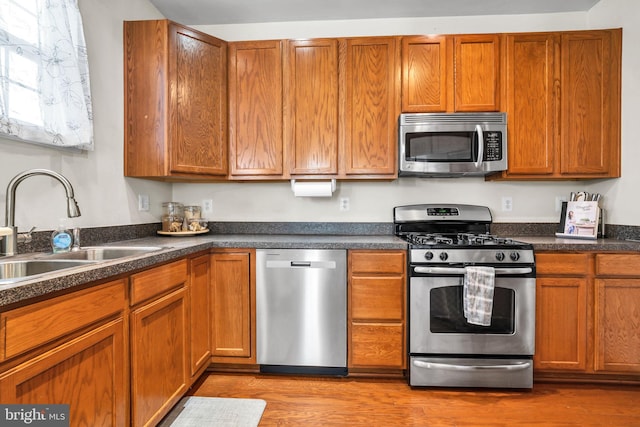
[
  {"x": 104, "y": 195},
  {"x": 106, "y": 198}
]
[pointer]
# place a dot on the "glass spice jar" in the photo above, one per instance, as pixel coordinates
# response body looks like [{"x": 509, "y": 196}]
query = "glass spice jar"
[
  {"x": 192, "y": 212},
  {"x": 172, "y": 209}
]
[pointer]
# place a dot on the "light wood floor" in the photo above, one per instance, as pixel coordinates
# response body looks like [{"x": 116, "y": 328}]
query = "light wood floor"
[{"x": 311, "y": 401}]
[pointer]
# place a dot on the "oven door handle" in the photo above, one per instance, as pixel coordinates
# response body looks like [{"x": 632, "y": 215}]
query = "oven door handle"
[
  {"x": 460, "y": 270},
  {"x": 518, "y": 366}
]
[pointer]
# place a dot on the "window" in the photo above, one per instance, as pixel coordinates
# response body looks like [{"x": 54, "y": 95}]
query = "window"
[{"x": 44, "y": 75}]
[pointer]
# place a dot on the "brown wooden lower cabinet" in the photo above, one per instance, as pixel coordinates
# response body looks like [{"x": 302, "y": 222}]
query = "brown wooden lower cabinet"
[
  {"x": 617, "y": 313},
  {"x": 587, "y": 319},
  {"x": 233, "y": 297},
  {"x": 377, "y": 283},
  {"x": 114, "y": 365},
  {"x": 87, "y": 372},
  {"x": 561, "y": 326},
  {"x": 159, "y": 347},
  {"x": 73, "y": 352},
  {"x": 199, "y": 315}
]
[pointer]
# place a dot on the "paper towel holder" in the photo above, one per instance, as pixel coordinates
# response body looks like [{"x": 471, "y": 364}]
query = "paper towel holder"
[{"x": 333, "y": 185}]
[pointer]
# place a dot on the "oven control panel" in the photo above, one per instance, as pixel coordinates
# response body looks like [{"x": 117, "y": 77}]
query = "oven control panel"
[
  {"x": 443, "y": 211},
  {"x": 474, "y": 256}
]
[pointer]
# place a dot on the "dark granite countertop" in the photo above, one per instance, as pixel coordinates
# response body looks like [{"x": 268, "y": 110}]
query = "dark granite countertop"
[
  {"x": 179, "y": 247},
  {"x": 175, "y": 248},
  {"x": 552, "y": 243}
]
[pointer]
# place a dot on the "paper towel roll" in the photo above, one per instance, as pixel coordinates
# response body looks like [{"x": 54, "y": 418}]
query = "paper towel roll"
[{"x": 313, "y": 188}]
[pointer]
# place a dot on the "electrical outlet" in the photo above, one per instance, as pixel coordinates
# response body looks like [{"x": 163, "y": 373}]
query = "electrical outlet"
[
  {"x": 507, "y": 203},
  {"x": 344, "y": 204},
  {"x": 207, "y": 206},
  {"x": 143, "y": 202}
]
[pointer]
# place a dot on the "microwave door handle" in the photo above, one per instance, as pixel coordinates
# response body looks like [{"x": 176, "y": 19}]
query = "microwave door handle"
[{"x": 478, "y": 162}]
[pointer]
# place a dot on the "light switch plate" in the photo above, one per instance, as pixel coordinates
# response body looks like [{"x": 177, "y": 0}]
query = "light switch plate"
[{"x": 143, "y": 202}]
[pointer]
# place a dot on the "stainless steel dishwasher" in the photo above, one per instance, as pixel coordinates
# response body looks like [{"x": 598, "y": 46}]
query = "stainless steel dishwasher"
[{"x": 301, "y": 310}]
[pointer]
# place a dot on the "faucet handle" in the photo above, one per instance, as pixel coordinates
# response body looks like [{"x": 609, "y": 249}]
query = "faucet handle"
[{"x": 26, "y": 237}]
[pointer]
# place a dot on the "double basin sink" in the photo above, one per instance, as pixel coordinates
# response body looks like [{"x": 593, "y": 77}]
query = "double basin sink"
[{"x": 16, "y": 270}]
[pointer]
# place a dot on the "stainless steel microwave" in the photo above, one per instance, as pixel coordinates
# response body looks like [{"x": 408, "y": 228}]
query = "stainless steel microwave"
[{"x": 452, "y": 144}]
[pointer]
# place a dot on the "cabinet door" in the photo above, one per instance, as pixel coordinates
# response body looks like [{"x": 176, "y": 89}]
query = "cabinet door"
[
  {"x": 617, "y": 309},
  {"x": 175, "y": 102},
  {"x": 233, "y": 307},
  {"x": 532, "y": 88},
  {"x": 377, "y": 345},
  {"x": 255, "y": 109},
  {"x": 561, "y": 324},
  {"x": 198, "y": 100},
  {"x": 199, "y": 315},
  {"x": 88, "y": 373},
  {"x": 311, "y": 96},
  {"x": 377, "y": 322},
  {"x": 371, "y": 113},
  {"x": 591, "y": 103},
  {"x": 377, "y": 283},
  {"x": 159, "y": 363},
  {"x": 427, "y": 73},
  {"x": 477, "y": 72}
]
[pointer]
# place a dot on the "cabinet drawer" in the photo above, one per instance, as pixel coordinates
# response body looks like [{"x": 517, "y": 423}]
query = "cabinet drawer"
[
  {"x": 28, "y": 327},
  {"x": 557, "y": 263},
  {"x": 377, "y": 262},
  {"x": 377, "y": 345},
  {"x": 150, "y": 283},
  {"x": 379, "y": 298},
  {"x": 617, "y": 265}
]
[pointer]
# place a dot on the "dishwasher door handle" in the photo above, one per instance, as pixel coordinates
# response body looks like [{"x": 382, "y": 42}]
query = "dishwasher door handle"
[
  {"x": 300, "y": 264},
  {"x": 330, "y": 265}
]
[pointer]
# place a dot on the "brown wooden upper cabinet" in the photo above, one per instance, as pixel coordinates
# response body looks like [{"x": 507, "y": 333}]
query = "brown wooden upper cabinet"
[
  {"x": 175, "y": 102},
  {"x": 590, "y": 103},
  {"x": 372, "y": 91},
  {"x": 328, "y": 107},
  {"x": 451, "y": 73},
  {"x": 311, "y": 105},
  {"x": 256, "y": 144},
  {"x": 314, "y": 108},
  {"x": 563, "y": 104},
  {"x": 341, "y": 107}
]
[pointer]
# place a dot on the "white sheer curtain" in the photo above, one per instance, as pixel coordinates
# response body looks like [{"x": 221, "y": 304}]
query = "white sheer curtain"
[{"x": 44, "y": 74}]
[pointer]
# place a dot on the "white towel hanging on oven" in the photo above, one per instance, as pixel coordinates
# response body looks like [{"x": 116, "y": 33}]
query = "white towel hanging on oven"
[{"x": 479, "y": 284}]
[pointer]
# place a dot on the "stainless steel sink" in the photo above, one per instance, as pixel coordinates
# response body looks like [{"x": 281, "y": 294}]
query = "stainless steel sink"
[
  {"x": 103, "y": 253},
  {"x": 13, "y": 271}
]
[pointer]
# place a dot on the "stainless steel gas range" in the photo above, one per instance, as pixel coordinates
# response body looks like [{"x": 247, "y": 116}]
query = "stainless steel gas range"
[{"x": 471, "y": 299}]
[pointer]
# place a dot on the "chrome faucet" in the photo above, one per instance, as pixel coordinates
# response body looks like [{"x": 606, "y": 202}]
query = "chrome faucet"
[{"x": 9, "y": 235}]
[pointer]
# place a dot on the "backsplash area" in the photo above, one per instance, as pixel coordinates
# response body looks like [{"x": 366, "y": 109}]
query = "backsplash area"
[{"x": 41, "y": 240}]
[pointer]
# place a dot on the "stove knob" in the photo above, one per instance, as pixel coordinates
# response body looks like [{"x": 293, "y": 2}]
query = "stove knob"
[
  {"x": 443, "y": 256},
  {"x": 514, "y": 256},
  {"x": 499, "y": 256},
  {"x": 428, "y": 255}
]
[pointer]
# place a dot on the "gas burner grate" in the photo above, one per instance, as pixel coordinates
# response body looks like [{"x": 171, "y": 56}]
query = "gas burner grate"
[{"x": 459, "y": 239}]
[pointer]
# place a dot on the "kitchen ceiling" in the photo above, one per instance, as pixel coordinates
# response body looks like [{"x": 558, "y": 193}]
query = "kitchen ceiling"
[{"x": 214, "y": 12}]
